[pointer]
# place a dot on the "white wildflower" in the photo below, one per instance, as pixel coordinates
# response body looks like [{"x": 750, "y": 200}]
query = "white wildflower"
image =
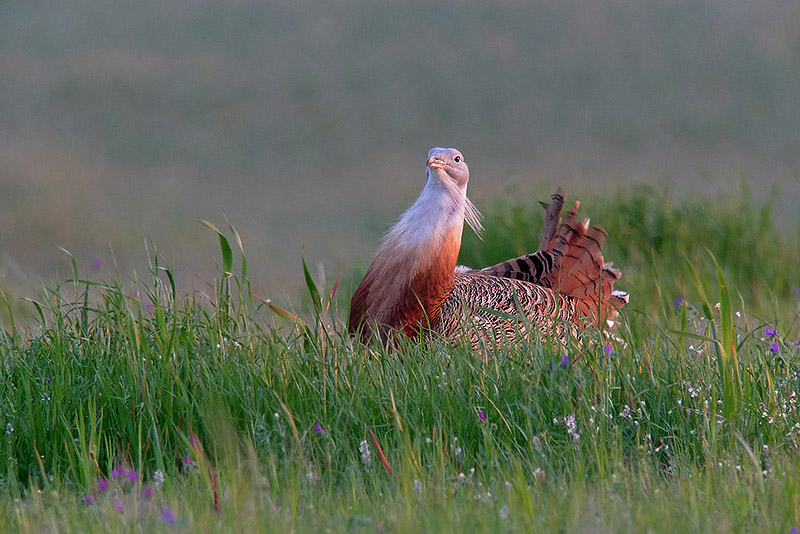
[
  {"x": 158, "y": 478},
  {"x": 366, "y": 454},
  {"x": 572, "y": 427}
]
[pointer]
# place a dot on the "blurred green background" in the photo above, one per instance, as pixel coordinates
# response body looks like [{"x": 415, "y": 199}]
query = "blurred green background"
[{"x": 307, "y": 123}]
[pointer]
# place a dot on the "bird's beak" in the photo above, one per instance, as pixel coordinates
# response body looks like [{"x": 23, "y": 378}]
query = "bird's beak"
[{"x": 435, "y": 162}]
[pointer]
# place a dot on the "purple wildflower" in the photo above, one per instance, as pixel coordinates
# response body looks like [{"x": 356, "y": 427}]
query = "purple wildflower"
[
  {"x": 168, "y": 516},
  {"x": 88, "y": 499},
  {"x": 118, "y": 505},
  {"x": 318, "y": 429},
  {"x": 482, "y": 416},
  {"x": 565, "y": 360},
  {"x": 678, "y": 302},
  {"x": 796, "y": 293},
  {"x": 132, "y": 475},
  {"x": 608, "y": 349},
  {"x": 551, "y": 365},
  {"x": 148, "y": 491},
  {"x": 187, "y": 460},
  {"x": 102, "y": 484},
  {"x": 775, "y": 348},
  {"x": 793, "y": 530},
  {"x": 95, "y": 264},
  {"x": 770, "y": 331},
  {"x": 118, "y": 472}
]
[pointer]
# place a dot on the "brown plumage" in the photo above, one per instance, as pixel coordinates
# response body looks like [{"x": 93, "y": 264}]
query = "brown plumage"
[{"x": 413, "y": 285}]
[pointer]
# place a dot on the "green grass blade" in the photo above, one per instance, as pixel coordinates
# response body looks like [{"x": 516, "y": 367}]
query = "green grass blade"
[
  {"x": 225, "y": 248},
  {"x": 316, "y": 301},
  {"x": 239, "y": 243},
  {"x": 704, "y": 302}
]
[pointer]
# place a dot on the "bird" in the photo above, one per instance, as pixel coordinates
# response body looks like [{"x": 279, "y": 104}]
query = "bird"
[{"x": 414, "y": 286}]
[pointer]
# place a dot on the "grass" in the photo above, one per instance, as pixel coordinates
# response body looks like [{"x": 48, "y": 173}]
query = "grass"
[{"x": 128, "y": 407}]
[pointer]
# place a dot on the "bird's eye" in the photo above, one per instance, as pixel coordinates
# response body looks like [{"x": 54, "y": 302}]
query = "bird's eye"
[{"x": 458, "y": 159}]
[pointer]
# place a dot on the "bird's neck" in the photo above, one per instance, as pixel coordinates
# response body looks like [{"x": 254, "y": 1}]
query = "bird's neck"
[{"x": 412, "y": 274}]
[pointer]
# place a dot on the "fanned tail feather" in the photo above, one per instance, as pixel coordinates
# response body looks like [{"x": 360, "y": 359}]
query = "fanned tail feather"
[
  {"x": 570, "y": 261},
  {"x": 582, "y": 273},
  {"x": 551, "y": 218},
  {"x": 534, "y": 267}
]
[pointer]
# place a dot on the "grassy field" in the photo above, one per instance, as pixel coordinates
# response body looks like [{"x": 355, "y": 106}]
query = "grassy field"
[{"x": 129, "y": 407}]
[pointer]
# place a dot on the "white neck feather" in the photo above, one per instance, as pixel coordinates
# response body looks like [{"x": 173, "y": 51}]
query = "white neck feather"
[
  {"x": 425, "y": 240},
  {"x": 435, "y": 213}
]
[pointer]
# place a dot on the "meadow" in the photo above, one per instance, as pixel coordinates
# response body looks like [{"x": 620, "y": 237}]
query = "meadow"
[{"x": 128, "y": 406}]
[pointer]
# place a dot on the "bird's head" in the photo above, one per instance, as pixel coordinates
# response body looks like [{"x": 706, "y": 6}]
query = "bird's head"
[{"x": 447, "y": 165}]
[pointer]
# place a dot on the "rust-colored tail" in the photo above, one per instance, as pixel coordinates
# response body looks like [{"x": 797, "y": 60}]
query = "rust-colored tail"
[{"x": 570, "y": 261}]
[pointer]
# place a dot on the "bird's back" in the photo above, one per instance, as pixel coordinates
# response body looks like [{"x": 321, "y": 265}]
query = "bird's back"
[
  {"x": 556, "y": 291},
  {"x": 492, "y": 310}
]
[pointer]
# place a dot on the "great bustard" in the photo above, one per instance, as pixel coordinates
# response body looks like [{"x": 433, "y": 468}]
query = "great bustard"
[{"x": 414, "y": 285}]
